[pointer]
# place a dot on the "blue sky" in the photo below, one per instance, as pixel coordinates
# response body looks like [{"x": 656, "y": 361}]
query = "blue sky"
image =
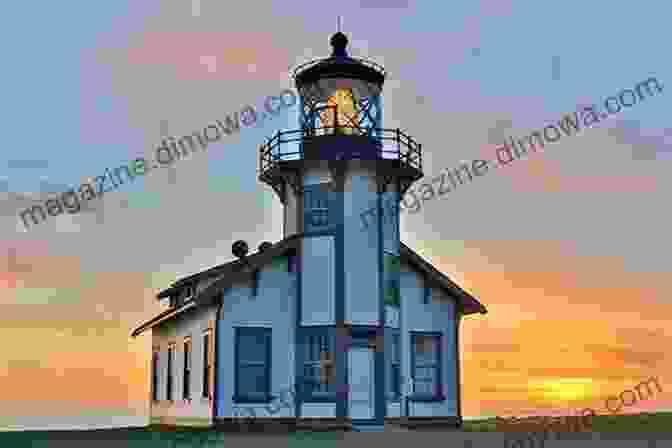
[{"x": 55, "y": 80}]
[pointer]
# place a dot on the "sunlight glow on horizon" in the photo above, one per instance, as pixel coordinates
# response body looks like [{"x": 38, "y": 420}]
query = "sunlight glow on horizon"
[{"x": 562, "y": 389}]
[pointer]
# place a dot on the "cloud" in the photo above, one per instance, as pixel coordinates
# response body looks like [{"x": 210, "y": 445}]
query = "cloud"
[
  {"x": 28, "y": 164},
  {"x": 383, "y": 4},
  {"x": 644, "y": 147},
  {"x": 224, "y": 55},
  {"x": 70, "y": 379},
  {"x": 606, "y": 354},
  {"x": 495, "y": 347}
]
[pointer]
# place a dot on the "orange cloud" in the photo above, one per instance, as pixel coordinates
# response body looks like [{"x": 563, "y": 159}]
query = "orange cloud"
[
  {"x": 97, "y": 379},
  {"x": 589, "y": 349},
  {"x": 7, "y": 280},
  {"x": 535, "y": 173},
  {"x": 18, "y": 258},
  {"x": 213, "y": 55}
]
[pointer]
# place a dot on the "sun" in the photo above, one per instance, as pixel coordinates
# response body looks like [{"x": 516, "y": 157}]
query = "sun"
[{"x": 562, "y": 389}]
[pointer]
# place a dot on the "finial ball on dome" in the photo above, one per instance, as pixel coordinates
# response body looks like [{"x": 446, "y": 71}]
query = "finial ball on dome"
[{"x": 339, "y": 41}]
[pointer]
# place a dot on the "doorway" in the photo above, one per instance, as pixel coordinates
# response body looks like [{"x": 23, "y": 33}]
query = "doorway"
[{"x": 361, "y": 380}]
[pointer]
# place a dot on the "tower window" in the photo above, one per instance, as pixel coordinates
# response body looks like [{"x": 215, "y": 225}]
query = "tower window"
[
  {"x": 391, "y": 276},
  {"x": 316, "y": 207},
  {"x": 427, "y": 293},
  {"x": 255, "y": 283},
  {"x": 319, "y": 370},
  {"x": 395, "y": 365},
  {"x": 292, "y": 262}
]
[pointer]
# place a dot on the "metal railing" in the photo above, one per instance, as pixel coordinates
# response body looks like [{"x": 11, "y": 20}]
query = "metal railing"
[{"x": 279, "y": 147}]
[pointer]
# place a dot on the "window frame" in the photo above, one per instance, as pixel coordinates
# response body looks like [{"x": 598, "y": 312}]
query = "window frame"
[
  {"x": 394, "y": 388},
  {"x": 316, "y": 341},
  {"x": 264, "y": 396},
  {"x": 256, "y": 276},
  {"x": 427, "y": 292},
  {"x": 392, "y": 278},
  {"x": 437, "y": 394},
  {"x": 206, "y": 338},
  {"x": 187, "y": 347},
  {"x": 292, "y": 262},
  {"x": 170, "y": 364},
  {"x": 317, "y": 201},
  {"x": 155, "y": 374}
]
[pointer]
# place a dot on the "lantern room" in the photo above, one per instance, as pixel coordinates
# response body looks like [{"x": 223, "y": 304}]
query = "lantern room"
[
  {"x": 341, "y": 119},
  {"x": 340, "y": 94}
]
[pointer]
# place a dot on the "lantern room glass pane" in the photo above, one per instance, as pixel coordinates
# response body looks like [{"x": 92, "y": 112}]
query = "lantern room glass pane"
[
  {"x": 346, "y": 106},
  {"x": 342, "y": 113}
]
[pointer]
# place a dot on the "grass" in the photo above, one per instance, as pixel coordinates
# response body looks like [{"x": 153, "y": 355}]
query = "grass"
[
  {"x": 156, "y": 437},
  {"x": 183, "y": 437},
  {"x": 645, "y": 422}
]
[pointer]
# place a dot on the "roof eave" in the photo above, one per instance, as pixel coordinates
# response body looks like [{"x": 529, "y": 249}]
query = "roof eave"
[
  {"x": 468, "y": 303},
  {"x": 162, "y": 317}
]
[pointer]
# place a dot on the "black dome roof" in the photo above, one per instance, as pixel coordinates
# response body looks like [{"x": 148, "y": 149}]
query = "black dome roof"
[{"x": 339, "y": 65}]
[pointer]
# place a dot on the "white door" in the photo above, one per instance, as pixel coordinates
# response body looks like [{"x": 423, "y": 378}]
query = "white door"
[{"x": 360, "y": 378}]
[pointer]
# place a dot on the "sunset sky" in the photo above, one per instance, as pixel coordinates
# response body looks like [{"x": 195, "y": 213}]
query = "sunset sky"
[{"x": 569, "y": 249}]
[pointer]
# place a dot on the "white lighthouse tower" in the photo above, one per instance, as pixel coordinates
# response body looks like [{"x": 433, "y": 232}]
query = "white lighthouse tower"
[{"x": 340, "y": 163}]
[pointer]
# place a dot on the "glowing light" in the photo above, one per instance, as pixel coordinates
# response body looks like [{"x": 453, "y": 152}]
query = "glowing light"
[{"x": 342, "y": 113}]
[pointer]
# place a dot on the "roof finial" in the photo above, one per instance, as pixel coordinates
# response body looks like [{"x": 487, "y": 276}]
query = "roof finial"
[
  {"x": 339, "y": 42},
  {"x": 339, "y": 24}
]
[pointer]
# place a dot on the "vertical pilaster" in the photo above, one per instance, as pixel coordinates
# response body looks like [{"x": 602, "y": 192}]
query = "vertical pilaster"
[
  {"x": 380, "y": 402},
  {"x": 342, "y": 333}
]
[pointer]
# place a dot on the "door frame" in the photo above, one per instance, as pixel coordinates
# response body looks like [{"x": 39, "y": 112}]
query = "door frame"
[{"x": 364, "y": 343}]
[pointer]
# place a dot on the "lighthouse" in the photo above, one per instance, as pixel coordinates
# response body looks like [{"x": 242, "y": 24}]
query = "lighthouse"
[
  {"x": 337, "y": 324},
  {"x": 339, "y": 163}
]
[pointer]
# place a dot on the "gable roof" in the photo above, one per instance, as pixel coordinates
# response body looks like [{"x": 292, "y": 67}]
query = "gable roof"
[
  {"x": 470, "y": 304},
  {"x": 239, "y": 270},
  {"x": 231, "y": 269}
]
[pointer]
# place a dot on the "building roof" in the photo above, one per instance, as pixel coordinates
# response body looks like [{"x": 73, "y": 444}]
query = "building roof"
[
  {"x": 234, "y": 271},
  {"x": 168, "y": 314},
  {"x": 232, "y": 268}
]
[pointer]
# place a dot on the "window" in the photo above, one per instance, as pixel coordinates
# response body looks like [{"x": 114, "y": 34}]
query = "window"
[
  {"x": 253, "y": 364},
  {"x": 186, "y": 378},
  {"x": 182, "y": 296},
  {"x": 155, "y": 375},
  {"x": 391, "y": 276},
  {"x": 342, "y": 112},
  {"x": 426, "y": 366},
  {"x": 316, "y": 207},
  {"x": 169, "y": 373},
  {"x": 292, "y": 262},
  {"x": 319, "y": 370},
  {"x": 206, "y": 365},
  {"x": 427, "y": 293},
  {"x": 394, "y": 382},
  {"x": 255, "y": 282}
]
